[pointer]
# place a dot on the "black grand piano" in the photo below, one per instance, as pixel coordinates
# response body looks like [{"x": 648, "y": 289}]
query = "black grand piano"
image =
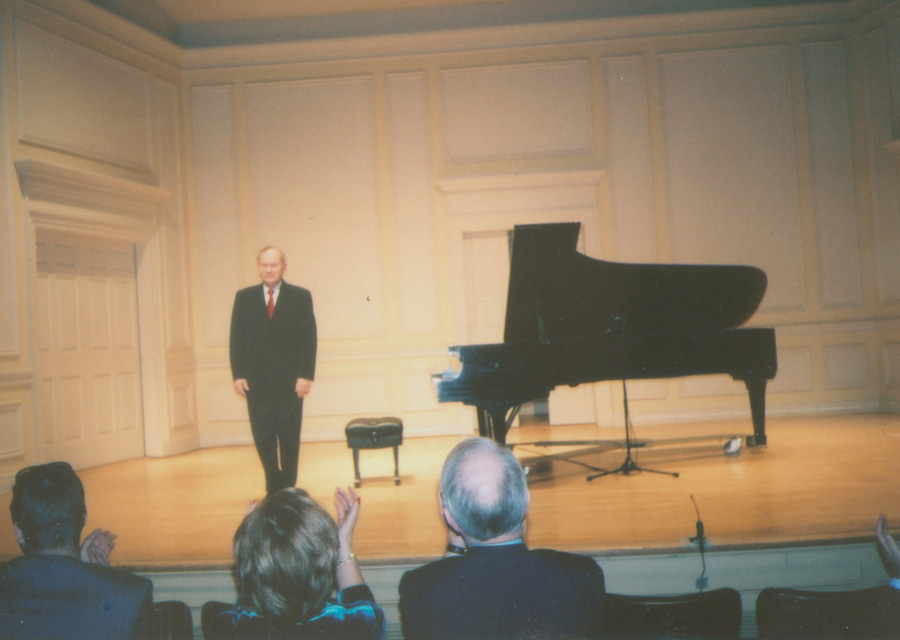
[{"x": 572, "y": 319}]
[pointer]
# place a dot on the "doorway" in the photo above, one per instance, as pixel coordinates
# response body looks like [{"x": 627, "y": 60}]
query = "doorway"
[{"x": 89, "y": 409}]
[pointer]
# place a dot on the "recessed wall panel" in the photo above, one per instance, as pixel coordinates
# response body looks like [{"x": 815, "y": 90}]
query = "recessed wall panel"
[
  {"x": 412, "y": 190},
  {"x": 731, "y": 163},
  {"x": 891, "y": 365},
  {"x": 846, "y": 366},
  {"x": 79, "y": 101},
  {"x": 128, "y": 402},
  {"x": 104, "y": 400},
  {"x": 12, "y": 436},
  {"x": 365, "y": 395},
  {"x": 832, "y": 175},
  {"x": 313, "y": 192},
  {"x": 883, "y": 182},
  {"x": 218, "y": 223},
  {"x": 174, "y": 258},
  {"x": 794, "y": 370},
  {"x": 69, "y": 417},
  {"x": 98, "y": 306},
  {"x": 65, "y": 322},
  {"x": 9, "y": 299},
  {"x": 521, "y": 110},
  {"x": 630, "y": 159}
]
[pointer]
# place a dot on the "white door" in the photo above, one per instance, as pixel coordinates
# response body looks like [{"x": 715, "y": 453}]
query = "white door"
[{"x": 88, "y": 358}]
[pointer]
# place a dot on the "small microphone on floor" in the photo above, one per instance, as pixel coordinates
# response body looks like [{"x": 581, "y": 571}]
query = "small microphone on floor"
[{"x": 700, "y": 538}]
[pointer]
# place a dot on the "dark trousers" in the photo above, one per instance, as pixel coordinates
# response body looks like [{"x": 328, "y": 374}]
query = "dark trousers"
[{"x": 275, "y": 421}]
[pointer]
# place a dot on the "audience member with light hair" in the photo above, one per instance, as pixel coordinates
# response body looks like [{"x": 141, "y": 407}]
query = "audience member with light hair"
[
  {"x": 289, "y": 557},
  {"x": 490, "y": 585}
]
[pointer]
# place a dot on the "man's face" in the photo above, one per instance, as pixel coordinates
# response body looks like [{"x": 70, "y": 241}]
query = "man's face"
[{"x": 271, "y": 267}]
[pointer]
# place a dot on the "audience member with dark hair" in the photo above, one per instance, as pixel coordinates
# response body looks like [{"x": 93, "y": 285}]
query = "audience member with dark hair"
[
  {"x": 62, "y": 588},
  {"x": 289, "y": 555},
  {"x": 491, "y": 585}
]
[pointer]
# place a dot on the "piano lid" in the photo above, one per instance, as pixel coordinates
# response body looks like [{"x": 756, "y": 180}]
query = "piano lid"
[{"x": 555, "y": 292}]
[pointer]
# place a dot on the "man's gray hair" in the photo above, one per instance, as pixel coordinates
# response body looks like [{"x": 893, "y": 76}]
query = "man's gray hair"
[{"x": 492, "y": 508}]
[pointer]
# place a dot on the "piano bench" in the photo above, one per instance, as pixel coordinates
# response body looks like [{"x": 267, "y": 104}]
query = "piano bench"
[{"x": 374, "y": 433}]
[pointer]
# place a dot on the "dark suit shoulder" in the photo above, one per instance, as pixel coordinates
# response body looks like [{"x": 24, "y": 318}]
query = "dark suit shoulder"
[
  {"x": 249, "y": 292},
  {"x": 294, "y": 289},
  {"x": 564, "y": 557}
]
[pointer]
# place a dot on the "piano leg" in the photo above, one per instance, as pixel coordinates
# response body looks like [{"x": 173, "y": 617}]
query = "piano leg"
[
  {"x": 494, "y": 420},
  {"x": 756, "y": 387}
]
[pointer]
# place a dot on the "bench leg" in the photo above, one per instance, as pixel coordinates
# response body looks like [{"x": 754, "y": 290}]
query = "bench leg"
[
  {"x": 356, "y": 480},
  {"x": 396, "y": 466}
]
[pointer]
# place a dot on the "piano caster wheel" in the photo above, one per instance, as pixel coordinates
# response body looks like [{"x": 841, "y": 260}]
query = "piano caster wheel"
[{"x": 733, "y": 446}]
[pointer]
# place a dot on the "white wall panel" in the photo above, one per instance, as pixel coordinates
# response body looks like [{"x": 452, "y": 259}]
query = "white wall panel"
[
  {"x": 794, "y": 370},
  {"x": 218, "y": 226},
  {"x": 891, "y": 365},
  {"x": 349, "y": 395},
  {"x": 846, "y": 366},
  {"x": 630, "y": 161},
  {"x": 9, "y": 298},
  {"x": 181, "y": 405},
  {"x": 832, "y": 175},
  {"x": 714, "y": 385},
  {"x": 12, "y": 436},
  {"x": 79, "y": 101},
  {"x": 517, "y": 110},
  {"x": 46, "y": 410},
  {"x": 732, "y": 166},
  {"x": 412, "y": 198},
  {"x": 224, "y": 405},
  {"x": 883, "y": 163},
  {"x": 175, "y": 272},
  {"x": 313, "y": 189},
  {"x": 419, "y": 392}
]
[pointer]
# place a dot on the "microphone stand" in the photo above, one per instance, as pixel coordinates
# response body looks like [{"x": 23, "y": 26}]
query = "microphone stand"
[{"x": 630, "y": 464}]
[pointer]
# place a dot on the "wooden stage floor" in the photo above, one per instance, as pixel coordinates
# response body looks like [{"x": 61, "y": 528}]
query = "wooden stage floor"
[{"x": 823, "y": 478}]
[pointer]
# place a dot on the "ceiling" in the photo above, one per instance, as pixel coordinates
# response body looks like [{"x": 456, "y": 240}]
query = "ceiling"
[{"x": 204, "y": 23}]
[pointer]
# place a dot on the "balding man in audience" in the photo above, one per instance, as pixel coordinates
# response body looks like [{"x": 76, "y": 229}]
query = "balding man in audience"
[{"x": 490, "y": 585}]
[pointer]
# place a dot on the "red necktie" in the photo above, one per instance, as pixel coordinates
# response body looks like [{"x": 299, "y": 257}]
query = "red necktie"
[{"x": 271, "y": 305}]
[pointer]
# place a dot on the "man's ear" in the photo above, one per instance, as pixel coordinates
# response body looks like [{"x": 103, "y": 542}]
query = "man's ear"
[
  {"x": 20, "y": 537},
  {"x": 450, "y": 521}
]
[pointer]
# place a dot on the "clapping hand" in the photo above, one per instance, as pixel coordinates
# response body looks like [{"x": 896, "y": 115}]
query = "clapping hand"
[
  {"x": 887, "y": 548},
  {"x": 347, "y": 504},
  {"x": 97, "y": 547}
]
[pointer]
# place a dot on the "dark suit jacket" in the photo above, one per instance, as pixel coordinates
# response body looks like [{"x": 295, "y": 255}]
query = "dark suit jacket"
[
  {"x": 503, "y": 592},
  {"x": 63, "y": 598},
  {"x": 272, "y": 353}
]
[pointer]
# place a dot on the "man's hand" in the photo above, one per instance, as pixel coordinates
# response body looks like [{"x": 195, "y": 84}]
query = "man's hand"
[
  {"x": 241, "y": 387},
  {"x": 97, "y": 547},
  {"x": 302, "y": 387},
  {"x": 887, "y": 548}
]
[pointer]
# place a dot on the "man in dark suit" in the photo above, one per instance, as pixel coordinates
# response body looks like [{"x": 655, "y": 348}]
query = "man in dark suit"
[
  {"x": 61, "y": 589},
  {"x": 489, "y": 584},
  {"x": 273, "y": 363}
]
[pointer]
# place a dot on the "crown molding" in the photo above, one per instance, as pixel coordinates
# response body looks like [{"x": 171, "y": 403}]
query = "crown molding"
[
  {"x": 565, "y": 32},
  {"x": 102, "y": 22}
]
